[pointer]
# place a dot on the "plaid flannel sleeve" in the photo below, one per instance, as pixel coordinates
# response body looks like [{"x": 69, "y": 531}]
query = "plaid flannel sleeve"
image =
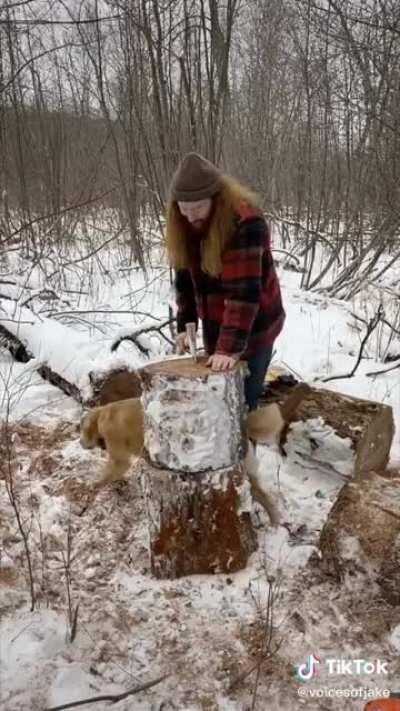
[
  {"x": 242, "y": 279},
  {"x": 185, "y": 300}
]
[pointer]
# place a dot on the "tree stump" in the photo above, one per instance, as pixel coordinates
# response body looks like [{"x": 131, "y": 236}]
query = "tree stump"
[
  {"x": 195, "y": 486},
  {"x": 194, "y": 418},
  {"x": 198, "y": 522}
]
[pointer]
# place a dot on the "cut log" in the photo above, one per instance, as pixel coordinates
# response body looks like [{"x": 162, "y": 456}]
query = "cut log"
[
  {"x": 362, "y": 533},
  {"x": 198, "y": 523},
  {"x": 116, "y": 384},
  {"x": 368, "y": 425},
  {"x": 196, "y": 490},
  {"x": 194, "y": 417}
]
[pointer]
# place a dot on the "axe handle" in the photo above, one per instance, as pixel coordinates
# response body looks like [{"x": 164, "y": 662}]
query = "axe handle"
[{"x": 191, "y": 336}]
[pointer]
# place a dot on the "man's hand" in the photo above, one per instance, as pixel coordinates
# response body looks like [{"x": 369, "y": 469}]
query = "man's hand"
[{"x": 221, "y": 362}]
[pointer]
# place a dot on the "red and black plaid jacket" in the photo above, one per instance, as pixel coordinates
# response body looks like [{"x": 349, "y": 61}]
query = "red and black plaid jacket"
[{"x": 241, "y": 310}]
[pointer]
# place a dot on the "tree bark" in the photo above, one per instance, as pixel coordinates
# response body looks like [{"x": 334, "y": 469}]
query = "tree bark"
[
  {"x": 194, "y": 417},
  {"x": 361, "y": 535},
  {"x": 368, "y": 425},
  {"x": 196, "y": 490},
  {"x": 199, "y": 523}
]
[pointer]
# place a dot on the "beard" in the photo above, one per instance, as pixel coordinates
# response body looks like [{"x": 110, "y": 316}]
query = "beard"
[{"x": 199, "y": 228}]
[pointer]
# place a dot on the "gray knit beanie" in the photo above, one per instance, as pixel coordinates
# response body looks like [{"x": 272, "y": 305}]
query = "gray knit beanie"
[{"x": 196, "y": 178}]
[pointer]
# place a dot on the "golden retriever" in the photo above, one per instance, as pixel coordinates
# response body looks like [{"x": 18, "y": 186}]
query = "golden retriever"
[{"x": 118, "y": 428}]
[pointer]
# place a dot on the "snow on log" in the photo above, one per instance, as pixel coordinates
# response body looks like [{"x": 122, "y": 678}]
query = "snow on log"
[
  {"x": 362, "y": 534},
  {"x": 196, "y": 491},
  {"x": 367, "y": 426},
  {"x": 66, "y": 358},
  {"x": 194, "y": 417},
  {"x": 198, "y": 522},
  {"x": 21, "y": 354}
]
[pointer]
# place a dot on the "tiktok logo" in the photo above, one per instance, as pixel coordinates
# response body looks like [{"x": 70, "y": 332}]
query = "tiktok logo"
[{"x": 306, "y": 671}]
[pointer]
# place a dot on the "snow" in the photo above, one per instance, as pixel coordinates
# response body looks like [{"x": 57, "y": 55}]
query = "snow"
[
  {"x": 203, "y": 631},
  {"x": 204, "y": 439},
  {"x": 70, "y": 354},
  {"x": 314, "y": 441}
]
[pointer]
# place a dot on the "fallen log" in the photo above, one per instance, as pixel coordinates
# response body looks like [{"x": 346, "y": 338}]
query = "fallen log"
[
  {"x": 368, "y": 426},
  {"x": 21, "y": 354},
  {"x": 26, "y": 340}
]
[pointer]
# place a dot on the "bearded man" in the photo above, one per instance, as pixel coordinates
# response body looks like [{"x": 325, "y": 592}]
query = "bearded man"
[{"x": 219, "y": 244}]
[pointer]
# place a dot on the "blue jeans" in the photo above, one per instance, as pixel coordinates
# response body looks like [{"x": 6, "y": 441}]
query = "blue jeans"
[{"x": 253, "y": 384}]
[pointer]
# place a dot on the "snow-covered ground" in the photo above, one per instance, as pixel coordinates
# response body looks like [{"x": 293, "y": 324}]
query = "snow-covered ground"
[{"x": 205, "y": 633}]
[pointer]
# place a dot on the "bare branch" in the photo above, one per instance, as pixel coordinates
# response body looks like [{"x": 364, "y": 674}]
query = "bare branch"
[
  {"x": 39, "y": 23},
  {"x": 382, "y": 372},
  {"x": 371, "y": 326},
  {"x": 135, "y": 336},
  {"x": 114, "y": 698}
]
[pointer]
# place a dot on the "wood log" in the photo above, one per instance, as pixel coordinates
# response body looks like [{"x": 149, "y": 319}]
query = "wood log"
[
  {"x": 199, "y": 523},
  {"x": 368, "y": 425},
  {"x": 114, "y": 384},
  {"x": 362, "y": 533},
  {"x": 194, "y": 417},
  {"x": 21, "y": 354},
  {"x": 195, "y": 486}
]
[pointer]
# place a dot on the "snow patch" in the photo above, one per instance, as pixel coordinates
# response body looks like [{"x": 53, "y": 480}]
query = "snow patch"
[
  {"x": 315, "y": 441},
  {"x": 30, "y": 638}
]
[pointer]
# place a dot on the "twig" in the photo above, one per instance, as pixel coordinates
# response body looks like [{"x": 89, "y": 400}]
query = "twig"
[
  {"x": 76, "y": 312},
  {"x": 241, "y": 677},
  {"x": 384, "y": 320},
  {"x": 114, "y": 698},
  {"x": 292, "y": 370},
  {"x": 134, "y": 336},
  {"x": 74, "y": 625},
  {"x": 134, "y": 339},
  {"x": 288, "y": 254},
  {"x": 13, "y": 498},
  {"x": 382, "y": 372},
  {"x": 391, "y": 327},
  {"x": 67, "y": 560},
  {"x": 303, "y": 228},
  {"x": 371, "y": 326},
  {"x": 58, "y": 213}
]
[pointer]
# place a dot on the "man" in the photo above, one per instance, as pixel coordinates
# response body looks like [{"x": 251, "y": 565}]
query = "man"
[{"x": 219, "y": 244}]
